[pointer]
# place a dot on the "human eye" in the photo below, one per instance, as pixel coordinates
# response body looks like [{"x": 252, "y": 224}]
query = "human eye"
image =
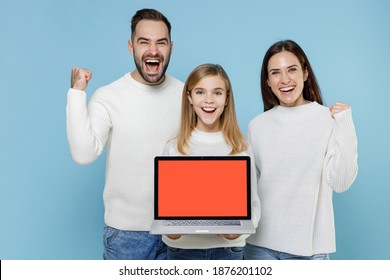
[
  {"x": 274, "y": 72},
  {"x": 292, "y": 69},
  {"x": 199, "y": 92},
  {"x": 143, "y": 42},
  {"x": 162, "y": 43}
]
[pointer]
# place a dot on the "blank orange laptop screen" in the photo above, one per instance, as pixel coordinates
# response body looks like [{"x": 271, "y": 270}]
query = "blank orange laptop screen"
[{"x": 202, "y": 188}]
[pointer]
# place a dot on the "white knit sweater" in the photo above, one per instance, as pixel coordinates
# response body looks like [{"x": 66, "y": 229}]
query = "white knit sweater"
[
  {"x": 302, "y": 155},
  {"x": 135, "y": 121},
  {"x": 203, "y": 144}
]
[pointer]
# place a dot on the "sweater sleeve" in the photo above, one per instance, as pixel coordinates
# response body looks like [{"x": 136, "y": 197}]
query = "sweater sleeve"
[
  {"x": 341, "y": 165},
  {"x": 87, "y": 128},
  {"x": 252, "y": 152},
  {"x": 255, "y": 200}
]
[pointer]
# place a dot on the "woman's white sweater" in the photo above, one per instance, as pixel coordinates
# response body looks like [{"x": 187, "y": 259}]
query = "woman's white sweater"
[{"x": 302, "y": 155}]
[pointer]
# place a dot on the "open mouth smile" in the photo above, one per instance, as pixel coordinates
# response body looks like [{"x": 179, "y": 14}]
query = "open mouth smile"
[
  {"x": 209, "y": 110},
  {"x": 152, "y": 65},
  {"x": 287, "y": 90}
]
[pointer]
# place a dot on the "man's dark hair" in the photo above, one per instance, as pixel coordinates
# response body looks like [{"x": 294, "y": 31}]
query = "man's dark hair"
[{"x": 149, "y": 14}]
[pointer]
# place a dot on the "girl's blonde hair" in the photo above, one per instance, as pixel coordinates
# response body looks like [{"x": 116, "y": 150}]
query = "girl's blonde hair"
[{"x": 229, "y": 124}]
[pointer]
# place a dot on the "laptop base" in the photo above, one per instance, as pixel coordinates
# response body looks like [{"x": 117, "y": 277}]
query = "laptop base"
[{"x": 159, "y": 227}]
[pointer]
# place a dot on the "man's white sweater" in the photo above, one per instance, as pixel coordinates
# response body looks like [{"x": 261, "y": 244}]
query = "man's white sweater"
[
  {"x": 135, "y": 121},
  {"x": 302, "y": 155}
]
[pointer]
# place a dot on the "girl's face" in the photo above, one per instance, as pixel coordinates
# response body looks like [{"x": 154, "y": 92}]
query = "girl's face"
[
  {"x": 286, "y": 79},
  {"x": 209, "y": 98}
]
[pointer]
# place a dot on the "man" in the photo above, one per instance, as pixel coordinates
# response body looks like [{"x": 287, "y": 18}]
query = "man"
[{"x": 134, "y": 115}]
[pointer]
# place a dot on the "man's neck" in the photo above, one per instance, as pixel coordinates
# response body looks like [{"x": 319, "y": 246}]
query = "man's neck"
[{"x": 136, "y": 76}]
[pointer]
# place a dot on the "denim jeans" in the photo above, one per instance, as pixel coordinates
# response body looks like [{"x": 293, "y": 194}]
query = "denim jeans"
[
  {"x": 252, "y": 252},
  {"x": 132, "y": 245},
  {"x": 228, "y": 253}
]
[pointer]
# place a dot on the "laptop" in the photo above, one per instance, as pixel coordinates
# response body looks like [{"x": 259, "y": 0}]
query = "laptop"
[{"x": 202, "y": 195}]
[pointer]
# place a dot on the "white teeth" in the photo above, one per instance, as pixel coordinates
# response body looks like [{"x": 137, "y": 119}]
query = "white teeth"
[
  {"x": 287, "y": 88},
  {"x": 152, "y": 61},
  {"x": 208, "y": 109}
]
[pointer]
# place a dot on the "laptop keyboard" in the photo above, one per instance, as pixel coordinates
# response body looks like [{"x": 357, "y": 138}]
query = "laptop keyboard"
[{"x": 202, "y": 223}]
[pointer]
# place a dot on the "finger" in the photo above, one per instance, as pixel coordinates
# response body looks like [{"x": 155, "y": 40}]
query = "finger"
[
  {"x": 88, "y": 75},
  {"x": 82, "y": 72},
  {"x": 80, "y": 78},
  {"x": 337, "y": 108},
  {"x": 341, "y": 106},
  {"x": 230, "y": 236},
  {"x": 76, "y": 71},
  {"x": 85, "y": 74},
  {"x": 174, "y": 236},
  {"x": 73, "y": 77}
]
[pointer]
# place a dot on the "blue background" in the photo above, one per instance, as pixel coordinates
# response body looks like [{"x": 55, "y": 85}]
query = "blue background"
[{"x": 51, "y": 208}]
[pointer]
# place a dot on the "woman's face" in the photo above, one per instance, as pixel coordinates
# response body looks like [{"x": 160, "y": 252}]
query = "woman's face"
[
  {"x": 286, "y": 79},
  {"x": 209, "y": 98}
]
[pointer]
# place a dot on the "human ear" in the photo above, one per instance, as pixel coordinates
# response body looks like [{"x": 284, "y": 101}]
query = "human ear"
[
  {"x": 189, "y": 97},
  {"x": 130, "y": 47},
  {"x": 305, "y": 75}
]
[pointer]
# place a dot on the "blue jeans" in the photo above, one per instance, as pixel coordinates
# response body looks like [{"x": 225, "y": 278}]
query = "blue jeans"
[
  {"x": 228, "y": 253},
  {"x": 252, "y": 252},
  {"x": 132, "y": 245}
]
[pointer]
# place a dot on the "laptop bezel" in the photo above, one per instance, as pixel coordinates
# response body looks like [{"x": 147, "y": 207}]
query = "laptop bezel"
[{"x": 157, "y": 159}]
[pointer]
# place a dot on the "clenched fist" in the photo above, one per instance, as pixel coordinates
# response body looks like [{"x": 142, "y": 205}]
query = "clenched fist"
[
  {"x": 80, "y": 78},
  {"x": 338, "y": 107}
]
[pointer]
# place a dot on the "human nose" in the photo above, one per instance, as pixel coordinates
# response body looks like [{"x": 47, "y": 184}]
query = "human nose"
[
  {"x": 153, "y": 48},
  {"x": 285, "y": 78},
  {"x": 209, "y": 98}
]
